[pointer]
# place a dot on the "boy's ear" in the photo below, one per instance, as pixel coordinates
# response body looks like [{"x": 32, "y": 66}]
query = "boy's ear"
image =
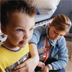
[
  {"x": 3, "y": 30},
  {"x": 49, "y": 25}
]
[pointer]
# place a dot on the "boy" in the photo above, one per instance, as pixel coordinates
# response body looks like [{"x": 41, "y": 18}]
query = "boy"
[
  {"x": 17, "y": 22},
  {"x": 50, "y": 42}
]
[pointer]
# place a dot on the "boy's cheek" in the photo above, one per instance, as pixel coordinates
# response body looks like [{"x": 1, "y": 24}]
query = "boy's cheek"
[{"x": 30, "y": 37}]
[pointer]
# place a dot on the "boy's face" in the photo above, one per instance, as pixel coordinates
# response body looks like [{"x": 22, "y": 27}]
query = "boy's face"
[
  {"x": 55, "y": 34},
  {"x": 20, "y": 29}
]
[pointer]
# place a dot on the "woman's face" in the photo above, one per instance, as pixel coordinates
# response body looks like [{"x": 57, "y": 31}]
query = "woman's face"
[{"x": 55, "y": 34}]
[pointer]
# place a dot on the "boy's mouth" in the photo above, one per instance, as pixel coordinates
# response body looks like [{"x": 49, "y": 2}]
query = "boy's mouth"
[{"x": 23, "y": 42}]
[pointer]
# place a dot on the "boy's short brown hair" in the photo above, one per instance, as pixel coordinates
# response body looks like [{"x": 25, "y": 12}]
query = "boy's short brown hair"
[
  {"x": 61, "y": 22},
  {"x": 9, "y": 7}
]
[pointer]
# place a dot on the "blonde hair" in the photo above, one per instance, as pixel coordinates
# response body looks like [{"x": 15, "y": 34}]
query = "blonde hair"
[{"x": 61, "y": 22}]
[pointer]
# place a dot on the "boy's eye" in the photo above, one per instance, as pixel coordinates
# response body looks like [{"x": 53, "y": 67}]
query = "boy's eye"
[
  {"x": 19, "y": 30},
  {"x": 31, "y": 29}
]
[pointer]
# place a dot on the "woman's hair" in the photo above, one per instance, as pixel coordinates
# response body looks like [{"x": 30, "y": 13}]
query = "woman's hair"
[
  {"x": 8, "y": 7},
  {"x": 61, "y": 22}
]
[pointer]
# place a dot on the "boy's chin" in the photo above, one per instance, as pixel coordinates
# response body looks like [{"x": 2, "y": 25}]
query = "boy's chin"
[{"x": 22, "y": 46}]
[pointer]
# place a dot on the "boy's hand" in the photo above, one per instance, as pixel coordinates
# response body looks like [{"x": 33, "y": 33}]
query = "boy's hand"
[
  {"x": 41, "y": 64},
  {"x": 27, "y": 66}
]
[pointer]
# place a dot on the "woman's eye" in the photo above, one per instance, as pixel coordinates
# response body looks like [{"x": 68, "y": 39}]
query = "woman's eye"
[
  {"x": 19, "y": 30},
  {"x": 55, "y": 33}
]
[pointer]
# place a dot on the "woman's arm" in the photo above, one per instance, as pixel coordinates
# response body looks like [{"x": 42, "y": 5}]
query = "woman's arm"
[
  {"x": 30, "y": 64},
  {"x": 62, "y": 55},
  {"x": 34, "y": 53}
]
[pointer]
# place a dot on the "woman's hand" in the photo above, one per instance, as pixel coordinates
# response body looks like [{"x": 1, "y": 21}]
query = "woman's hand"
[
  {"x": 30, "y": 64},
  {"x": 45, "y": 69},
  {"x": 41, "y": 64},
  {"x": 27, "y": 66}
]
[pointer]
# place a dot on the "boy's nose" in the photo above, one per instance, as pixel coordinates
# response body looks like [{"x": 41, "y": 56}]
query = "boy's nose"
[{"x": 26, "y": 36}]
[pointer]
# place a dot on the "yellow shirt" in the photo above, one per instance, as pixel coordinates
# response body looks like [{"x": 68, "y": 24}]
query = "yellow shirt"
[{"x": 9, "y": 59}]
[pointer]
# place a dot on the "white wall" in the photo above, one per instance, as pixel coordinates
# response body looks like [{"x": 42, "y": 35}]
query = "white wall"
[{"x": 44, "y": 4}]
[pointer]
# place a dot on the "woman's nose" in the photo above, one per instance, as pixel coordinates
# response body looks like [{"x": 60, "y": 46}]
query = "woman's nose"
[{"x": 57, "y": 36}]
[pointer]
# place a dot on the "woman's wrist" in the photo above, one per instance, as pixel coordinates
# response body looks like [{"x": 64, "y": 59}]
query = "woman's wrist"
[{"x": 49, "y": 66}]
